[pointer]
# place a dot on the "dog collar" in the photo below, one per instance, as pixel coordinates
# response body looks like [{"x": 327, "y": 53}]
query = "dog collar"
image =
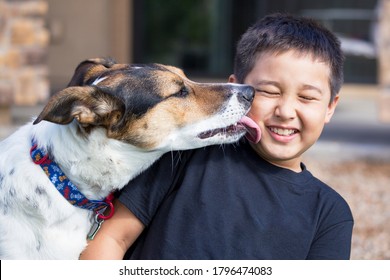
[{"x": 68, "y": 190}]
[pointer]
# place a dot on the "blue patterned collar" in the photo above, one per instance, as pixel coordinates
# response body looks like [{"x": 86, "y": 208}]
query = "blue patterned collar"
[{"x": 68, "y": 190}]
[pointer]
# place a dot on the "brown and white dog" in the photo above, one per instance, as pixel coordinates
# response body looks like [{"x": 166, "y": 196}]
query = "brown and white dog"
[{"x": 111, "y": 123}]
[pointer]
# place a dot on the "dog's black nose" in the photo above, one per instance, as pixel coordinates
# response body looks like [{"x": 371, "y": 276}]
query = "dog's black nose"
[{"x": 248, "y": 93}]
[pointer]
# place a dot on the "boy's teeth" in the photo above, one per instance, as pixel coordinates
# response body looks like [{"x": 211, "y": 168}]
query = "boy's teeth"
[{"x": 284, "y": 132}]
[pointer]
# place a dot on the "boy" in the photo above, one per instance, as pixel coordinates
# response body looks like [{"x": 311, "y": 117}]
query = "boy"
[{"x": 248, "y": 200}]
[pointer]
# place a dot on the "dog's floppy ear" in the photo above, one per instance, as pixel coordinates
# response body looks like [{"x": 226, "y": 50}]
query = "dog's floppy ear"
[
  {"x": 90, "y": 68},
  {"x": 88, "y": 105}
]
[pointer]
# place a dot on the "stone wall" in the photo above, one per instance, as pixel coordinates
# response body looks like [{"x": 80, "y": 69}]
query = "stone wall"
[{"x": 24, "y": 41}]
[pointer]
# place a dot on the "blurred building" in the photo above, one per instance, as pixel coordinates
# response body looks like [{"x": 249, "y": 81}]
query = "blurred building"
[{"x": 198, "y": 36}]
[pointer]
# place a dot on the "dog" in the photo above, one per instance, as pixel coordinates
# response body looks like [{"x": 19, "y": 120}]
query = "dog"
[{"x": 109, "y": 124}]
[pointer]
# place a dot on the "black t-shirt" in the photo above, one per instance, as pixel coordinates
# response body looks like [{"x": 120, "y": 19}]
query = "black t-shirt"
[{"x": 226, "y": 202}]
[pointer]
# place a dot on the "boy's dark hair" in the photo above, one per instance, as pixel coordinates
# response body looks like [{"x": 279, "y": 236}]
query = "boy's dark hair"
[{"x": 278, "y": 33}]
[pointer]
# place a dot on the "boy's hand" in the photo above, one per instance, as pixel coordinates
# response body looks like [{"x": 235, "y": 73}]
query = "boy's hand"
[{"x": 115, "y": 236}]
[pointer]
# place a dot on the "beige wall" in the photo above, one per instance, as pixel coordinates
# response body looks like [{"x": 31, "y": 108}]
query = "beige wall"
[{"x": 86, "y": 29}]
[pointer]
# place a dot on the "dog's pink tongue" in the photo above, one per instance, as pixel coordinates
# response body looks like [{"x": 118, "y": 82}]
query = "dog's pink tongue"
[{"x": 254, "y": 132}]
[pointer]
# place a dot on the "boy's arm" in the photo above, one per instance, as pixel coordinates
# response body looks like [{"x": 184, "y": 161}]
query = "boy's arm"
[
  {"x": 334, "y": 235},
  {"x": 115, "y": 236},
  {"x": 334, "y": 244}
]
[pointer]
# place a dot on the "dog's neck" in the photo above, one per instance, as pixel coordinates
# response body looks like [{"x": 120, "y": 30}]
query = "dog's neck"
[{"x": 96, "y": 164}]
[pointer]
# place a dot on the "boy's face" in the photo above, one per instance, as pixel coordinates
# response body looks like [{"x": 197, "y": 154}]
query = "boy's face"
[{"x": 291, "y": 106}]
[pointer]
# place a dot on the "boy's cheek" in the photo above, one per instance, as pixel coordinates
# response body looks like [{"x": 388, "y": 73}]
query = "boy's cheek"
[
  {"x": 260, "y": 106},
  {"x": 255, "y": 115}
]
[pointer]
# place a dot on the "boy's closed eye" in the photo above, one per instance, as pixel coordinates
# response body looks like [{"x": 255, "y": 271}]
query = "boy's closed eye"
[
  {"x": 267, "y": 92},
  {"x": 308, "y": 98},
  {"x": 310, "y": 95}
]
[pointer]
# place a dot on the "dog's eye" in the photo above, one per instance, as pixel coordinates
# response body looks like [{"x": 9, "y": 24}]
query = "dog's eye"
[{"x": 183, "y": 92}]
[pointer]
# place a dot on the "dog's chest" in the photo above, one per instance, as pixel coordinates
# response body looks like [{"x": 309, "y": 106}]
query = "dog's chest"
[
  {"x": 36, "y": 222},
  {"x": 62, "y": 240},
  {"x": 39, "y": 231}
]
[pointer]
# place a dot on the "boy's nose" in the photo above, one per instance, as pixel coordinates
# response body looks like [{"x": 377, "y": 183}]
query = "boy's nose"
[{"x": 285, "y": 108}]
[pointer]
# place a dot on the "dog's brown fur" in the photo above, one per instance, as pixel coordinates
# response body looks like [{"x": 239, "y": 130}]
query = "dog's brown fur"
[{"x": 108, "y": 105}]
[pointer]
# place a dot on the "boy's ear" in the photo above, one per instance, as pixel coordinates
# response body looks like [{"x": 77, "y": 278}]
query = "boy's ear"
[
  {"x": 331, "y": 108},
  {"x": 232, "y": 79}
]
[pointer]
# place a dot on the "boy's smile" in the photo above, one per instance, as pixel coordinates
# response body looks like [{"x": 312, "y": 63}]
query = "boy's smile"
[
  {"x": 283, "y": 134},
  {"x": 291, "y": 106}
]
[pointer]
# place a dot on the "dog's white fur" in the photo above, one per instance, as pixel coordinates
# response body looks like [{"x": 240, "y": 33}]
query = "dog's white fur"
[{"x": 36, "y": 222}]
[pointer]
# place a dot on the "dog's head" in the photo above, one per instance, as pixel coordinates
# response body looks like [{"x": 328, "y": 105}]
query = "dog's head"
[{"x": 150, "y": 106}]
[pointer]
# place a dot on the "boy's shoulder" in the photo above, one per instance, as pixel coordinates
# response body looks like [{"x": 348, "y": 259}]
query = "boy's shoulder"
[{"x": 335, "y": 202}]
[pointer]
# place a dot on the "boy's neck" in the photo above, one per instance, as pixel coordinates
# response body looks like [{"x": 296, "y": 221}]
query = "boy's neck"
[{"x": 293, "y": 164}]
